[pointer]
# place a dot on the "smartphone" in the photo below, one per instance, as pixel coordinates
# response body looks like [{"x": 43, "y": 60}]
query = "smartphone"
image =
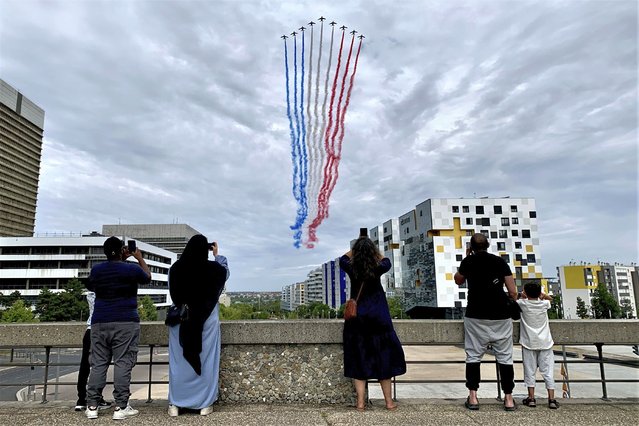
[
  {"x": 363, "y": 232},
  {"x": 212, "y": 245},
  {"x": 131, "y": 246}
]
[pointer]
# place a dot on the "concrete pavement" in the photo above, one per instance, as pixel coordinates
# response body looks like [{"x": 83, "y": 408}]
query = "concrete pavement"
[{"x": 411, "y": 412}]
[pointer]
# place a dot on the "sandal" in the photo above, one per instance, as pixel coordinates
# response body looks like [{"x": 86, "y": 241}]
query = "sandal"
[
  {"x": 553, "y": 404},
  {"x": 472, "y": 407},
  {"x": 513, "y": 408},
  {"x": 529, "y": 402}
]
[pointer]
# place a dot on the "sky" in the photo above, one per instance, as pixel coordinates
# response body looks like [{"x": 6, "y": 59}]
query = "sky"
[{"x": 175, "y": 111}]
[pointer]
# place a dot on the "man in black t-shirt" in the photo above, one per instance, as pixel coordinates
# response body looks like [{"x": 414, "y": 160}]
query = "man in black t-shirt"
[{"x": 487, "y": 321}]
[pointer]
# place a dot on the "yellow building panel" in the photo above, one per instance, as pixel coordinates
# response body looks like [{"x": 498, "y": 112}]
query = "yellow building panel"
[
  {"x": 531, "y": 270},
  {"x": 517, "y": 262},
  {"x": 449, "y": 276},
  {"x": 575, "y": 276},
  {"x": 538, "y": 275},
  {"x": 440, "y": 249},
  {"x": 529, "y": 248}
]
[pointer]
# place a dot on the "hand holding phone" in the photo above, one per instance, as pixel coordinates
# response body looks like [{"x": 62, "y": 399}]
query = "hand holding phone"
[{"x": 131, "y": 246}]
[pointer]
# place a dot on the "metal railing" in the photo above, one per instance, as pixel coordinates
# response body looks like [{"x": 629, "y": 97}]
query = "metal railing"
[{"x": 48, "y": 363}]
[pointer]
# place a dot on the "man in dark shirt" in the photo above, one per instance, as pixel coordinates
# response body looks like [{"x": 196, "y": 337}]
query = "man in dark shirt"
[
  {"x": 487, "y": 321},
  {"x": 115, "y": 325}
]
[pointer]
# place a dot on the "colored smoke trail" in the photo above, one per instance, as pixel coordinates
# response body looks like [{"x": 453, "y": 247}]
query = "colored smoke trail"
[
  {"x": 342, "y": 125},
  {"x": 335, "y": 158},
  {"x": 298, "y": 169},
  {"x": 321, "y": 199},
  {"x": 290, "y": 125},
  {"x": 317, "y": 137}
]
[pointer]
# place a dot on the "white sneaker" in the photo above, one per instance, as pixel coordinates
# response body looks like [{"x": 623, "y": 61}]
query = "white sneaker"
[
  {"x": 206, "y": 410},
  {"x": 174, "y": 411},
  {"x": 91, "y": 412},
  {"x": 124, "y": 413}
]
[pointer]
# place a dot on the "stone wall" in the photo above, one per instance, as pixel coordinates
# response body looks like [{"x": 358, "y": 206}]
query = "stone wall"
[{"x": 284, "y": 374}]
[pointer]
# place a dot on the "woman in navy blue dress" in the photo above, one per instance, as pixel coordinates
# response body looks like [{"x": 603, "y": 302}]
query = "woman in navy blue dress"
[{"x": 371, "y": 347}]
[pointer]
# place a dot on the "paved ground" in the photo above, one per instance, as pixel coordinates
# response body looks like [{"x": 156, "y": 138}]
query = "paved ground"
[{"x": 411, "y": 412}]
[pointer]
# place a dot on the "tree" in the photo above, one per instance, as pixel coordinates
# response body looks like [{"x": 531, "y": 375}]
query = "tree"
[
  {"x": 582, "y": 311},
  {"x": 8, "y": 301},
  {"x": 556, "y": 308},
  {"x": 67, "y": 305},
  {"x": 626, "y": 308},
  {"x": 146, "y": 309},
  {"x": 18, "y": 312},
  {"x": 603, "y": 304},
  {"x": 396, "y": 307}
]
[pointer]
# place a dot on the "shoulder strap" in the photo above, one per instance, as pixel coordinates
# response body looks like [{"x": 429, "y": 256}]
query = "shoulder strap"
[{"x": 359, "y": 293}]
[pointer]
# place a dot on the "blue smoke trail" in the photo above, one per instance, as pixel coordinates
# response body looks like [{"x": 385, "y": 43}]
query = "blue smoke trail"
[
  {"x": 297, "y": 237},
  {"x": 290, "y": 125},
  {"x": 304, "y": 158}
]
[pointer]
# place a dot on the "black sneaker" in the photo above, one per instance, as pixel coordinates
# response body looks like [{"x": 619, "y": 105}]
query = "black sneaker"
[
  {"x": 80, "y": 405},
  {"x": 104, "y": 405}
]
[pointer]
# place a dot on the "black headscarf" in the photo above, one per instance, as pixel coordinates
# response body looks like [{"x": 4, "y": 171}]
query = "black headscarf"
[{"x": 198, "y": 282}]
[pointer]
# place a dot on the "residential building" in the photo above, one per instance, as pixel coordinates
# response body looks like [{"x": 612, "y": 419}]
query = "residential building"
[
  {"x": 29, "y": 264},
  {"x": 432, "y": 242},
  {"x": 172, "y": 237},
  {"x": 315, "y": 286},
  {"x": 21, "y": 132},
  {"x": 581, "y": 280}
]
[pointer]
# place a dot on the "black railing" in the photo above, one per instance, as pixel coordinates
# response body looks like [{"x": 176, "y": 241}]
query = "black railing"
[{"x": 47, "y": 363}]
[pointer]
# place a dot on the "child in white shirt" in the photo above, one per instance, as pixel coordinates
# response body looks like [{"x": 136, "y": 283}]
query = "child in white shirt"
[{"x": 536, "y": 342}]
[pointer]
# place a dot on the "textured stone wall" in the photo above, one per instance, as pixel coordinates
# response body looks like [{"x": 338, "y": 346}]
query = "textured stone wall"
[{"x": 284, "y": 374}]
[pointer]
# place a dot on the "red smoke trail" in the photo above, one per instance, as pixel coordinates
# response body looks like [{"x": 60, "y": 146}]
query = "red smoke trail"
[
  {"x": 336, "y": 153},
  {"x": 341, "y": 125},
  {"x": 321, "y": 199}
]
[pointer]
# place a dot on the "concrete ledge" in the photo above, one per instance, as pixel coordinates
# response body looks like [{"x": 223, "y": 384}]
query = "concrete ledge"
[{"x": 313, "y": 332}]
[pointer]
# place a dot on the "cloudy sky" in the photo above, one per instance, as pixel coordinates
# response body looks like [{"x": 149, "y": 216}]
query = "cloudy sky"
[{"x": 164, "y": 111}]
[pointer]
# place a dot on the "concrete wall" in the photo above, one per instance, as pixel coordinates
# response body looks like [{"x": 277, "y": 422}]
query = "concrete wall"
[{"x": 301, "y": 360}]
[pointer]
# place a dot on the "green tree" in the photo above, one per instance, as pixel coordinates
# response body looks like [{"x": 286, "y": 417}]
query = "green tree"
[
  {"x": 556, "y": 308},
  {"x": 8, "y": 301},
  {"x": 396, "y": 307},
  {"x": 603, "y": 304},
  {"x": 582, "y": 311},
  {"x": 626, "y": 308},
  {"x": 18, "y": 312},
  {"x": 67, "y": 305},
  {"x": 146, "y": 309}
]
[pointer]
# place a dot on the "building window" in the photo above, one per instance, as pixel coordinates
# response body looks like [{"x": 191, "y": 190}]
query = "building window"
[
  {"x": 455, "y": 209},
  {"x": 505, "y": 221},
  {"x": 518, "y": 256},
  {"x": 513, "y": 209},
  {"x": 531, "y": 258},
  {"x": 501, "y": 246},
  {"x": 515, "y": 221},
  {"x": 517, "y": 244},
  {"x": 533, "y": 214},
  {"x": 459, "y": 257},
  {"x": 469, "y": 233},
  {"x": 465, "y": 209},
  {"x": 515, "y": 233},
  {"x": 503, "y": 233},
  {"x": 462, "y": 295},
  {"x": 479, "y": 209},
  {"x": 525, "y": 233},
  {"x": 493, "y": 234},
  {"x": 485, "y": 232},
  {"x": 407, "y": 229},
  {"x": 506, "y": 258},
  {"x": 385, "y": 231},
  {"x": 458, "y": 304},
  {"x": 469, "y": 221},
  {"x": 486, "y": 221},
  {"x": 420, "y": 212},
  {"x": 497, "y": 209}
]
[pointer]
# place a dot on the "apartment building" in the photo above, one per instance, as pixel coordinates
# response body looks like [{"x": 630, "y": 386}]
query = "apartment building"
[
  {"x": 581, "y": 281},
  {"x": 21, "y": 133}
]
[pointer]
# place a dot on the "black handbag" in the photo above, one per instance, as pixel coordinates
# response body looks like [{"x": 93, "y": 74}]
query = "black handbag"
[{"x": 177, "y": 315}]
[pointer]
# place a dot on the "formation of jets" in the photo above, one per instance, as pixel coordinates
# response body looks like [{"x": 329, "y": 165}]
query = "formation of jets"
[{"x": 322, "y": 19}]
